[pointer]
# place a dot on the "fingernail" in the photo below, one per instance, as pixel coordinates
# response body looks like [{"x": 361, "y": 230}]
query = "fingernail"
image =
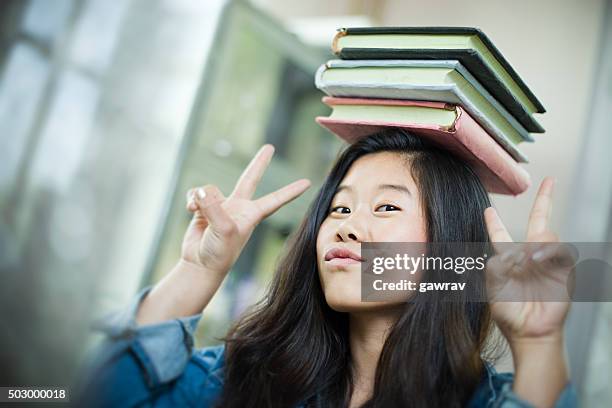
[
  {"x": 538, "y": 255},
  {"x": 201, "y": 193}
]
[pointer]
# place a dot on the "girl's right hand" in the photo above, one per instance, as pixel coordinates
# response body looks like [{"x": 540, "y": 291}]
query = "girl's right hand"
[{"x": 221, "y": 226}]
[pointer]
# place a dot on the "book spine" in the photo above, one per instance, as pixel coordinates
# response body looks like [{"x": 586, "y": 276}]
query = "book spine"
[{"x": 341, "y": 33}]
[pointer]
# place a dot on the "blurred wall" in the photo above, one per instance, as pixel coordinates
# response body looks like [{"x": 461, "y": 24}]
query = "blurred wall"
[{"x": 94, "y": 100}]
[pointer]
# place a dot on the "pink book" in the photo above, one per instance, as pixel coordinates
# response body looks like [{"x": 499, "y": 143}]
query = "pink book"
[{"x": 499, "y": 172}]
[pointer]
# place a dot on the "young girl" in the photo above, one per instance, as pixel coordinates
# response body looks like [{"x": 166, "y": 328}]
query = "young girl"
[{"x": 311, "y": 341}]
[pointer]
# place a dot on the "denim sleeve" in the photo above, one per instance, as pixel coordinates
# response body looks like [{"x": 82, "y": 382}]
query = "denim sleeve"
[
  {"x": 496, "y": 392},
  {"x": 508, "y": 399},
  {"x": 151, "y": 365}
]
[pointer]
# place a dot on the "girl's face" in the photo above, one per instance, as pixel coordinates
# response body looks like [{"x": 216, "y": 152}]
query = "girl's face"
[{"x": 377, "y": 201}]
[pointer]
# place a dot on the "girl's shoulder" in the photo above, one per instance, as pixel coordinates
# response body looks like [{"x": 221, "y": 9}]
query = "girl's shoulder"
[
  {"x": 211, "y": 360},
  {"x": 205, "y": 371},
  {"x": 491, "y": 388}
]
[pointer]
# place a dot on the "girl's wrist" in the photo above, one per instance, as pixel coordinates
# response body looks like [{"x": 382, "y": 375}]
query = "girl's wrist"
[
  {"x": 192, "y": 267},
  {"x": 531, "y": 345},
  {"x": 541, "y": 370}
]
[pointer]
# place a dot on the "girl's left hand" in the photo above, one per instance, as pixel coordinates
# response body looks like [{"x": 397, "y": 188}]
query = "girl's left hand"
[{"x": 528, "y": 302}]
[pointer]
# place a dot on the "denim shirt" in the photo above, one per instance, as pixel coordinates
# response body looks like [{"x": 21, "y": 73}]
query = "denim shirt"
[{"x": 157, "y": 366}]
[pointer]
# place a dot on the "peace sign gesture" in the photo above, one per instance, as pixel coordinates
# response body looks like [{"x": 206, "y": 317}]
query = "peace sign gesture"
[
  {"x": 529, "y": 278},
  {"x": 221, "y": 226}
]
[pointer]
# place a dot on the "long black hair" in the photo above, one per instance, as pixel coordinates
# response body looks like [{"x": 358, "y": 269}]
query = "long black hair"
[{"x": 293, "y": 348}]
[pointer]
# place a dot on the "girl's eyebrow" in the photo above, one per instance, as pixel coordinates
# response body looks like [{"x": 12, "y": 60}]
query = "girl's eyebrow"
[{"x": 396, "y": 187}]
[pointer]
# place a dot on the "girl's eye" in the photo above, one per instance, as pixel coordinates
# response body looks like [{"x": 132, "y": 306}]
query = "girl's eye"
[
  {"x": 343, "y": 210},
  {"x": 389, "y": 207}
]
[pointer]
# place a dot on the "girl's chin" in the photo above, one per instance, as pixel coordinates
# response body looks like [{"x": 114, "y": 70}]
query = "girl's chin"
[{"x": 356, "y": 306}]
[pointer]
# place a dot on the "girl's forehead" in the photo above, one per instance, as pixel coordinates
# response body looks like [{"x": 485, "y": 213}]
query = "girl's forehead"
[{"x": 379, "y": 167}]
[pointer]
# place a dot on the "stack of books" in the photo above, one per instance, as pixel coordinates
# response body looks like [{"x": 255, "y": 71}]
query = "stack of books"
[{"x": 450, "y": 85}]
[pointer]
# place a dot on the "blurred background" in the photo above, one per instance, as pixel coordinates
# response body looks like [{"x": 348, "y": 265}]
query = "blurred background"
[{"x": 111, "y": 110}]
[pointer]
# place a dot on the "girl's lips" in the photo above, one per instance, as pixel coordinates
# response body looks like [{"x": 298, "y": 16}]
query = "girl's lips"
[
  {"x": 342, "y": 253},
  {"x": 342, "y": 261}
]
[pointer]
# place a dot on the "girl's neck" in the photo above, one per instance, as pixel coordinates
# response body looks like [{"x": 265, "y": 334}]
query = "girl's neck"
[{"x": 368, "y": 331}]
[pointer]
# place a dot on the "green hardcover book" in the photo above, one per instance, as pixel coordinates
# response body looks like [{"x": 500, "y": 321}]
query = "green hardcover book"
[
  {"x": 438, "y": 81},
  {"x": 468, "y": 45}
]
